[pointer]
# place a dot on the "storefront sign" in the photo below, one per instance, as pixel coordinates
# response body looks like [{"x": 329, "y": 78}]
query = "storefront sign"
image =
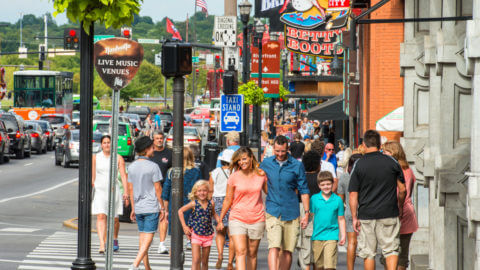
[
  {"x": 311, "y": 42},
  {"x": 117, "y": 60},
  {"x": 338, "y": 4}
]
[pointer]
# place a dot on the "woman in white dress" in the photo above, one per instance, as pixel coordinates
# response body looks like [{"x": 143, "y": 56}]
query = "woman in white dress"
[{"x": 100, "y": 183}]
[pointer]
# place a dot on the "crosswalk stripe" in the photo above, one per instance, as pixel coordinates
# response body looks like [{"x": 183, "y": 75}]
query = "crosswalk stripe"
[{"x": 58, "y": 251}]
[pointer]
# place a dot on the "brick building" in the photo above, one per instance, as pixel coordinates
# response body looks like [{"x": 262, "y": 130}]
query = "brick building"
[{"x": 377, "y": 88}]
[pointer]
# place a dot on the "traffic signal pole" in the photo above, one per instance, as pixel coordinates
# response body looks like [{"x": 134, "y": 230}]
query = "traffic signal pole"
[
  {"x": 178, "y": 257},
  {"x": 84, "y": 260}
]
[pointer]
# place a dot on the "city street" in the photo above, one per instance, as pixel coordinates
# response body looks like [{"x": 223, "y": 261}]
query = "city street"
[{"x": 36, "y": 197}]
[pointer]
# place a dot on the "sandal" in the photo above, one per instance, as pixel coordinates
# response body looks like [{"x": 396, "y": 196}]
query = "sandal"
[
  {"x": 219, "y": 263},
  {"x": 101, "y": 251}
]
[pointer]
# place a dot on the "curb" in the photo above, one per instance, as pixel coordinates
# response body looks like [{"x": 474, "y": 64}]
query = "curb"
[{"x": 72, "y": 224}]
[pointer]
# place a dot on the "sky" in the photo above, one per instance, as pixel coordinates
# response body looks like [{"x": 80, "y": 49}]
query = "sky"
[{"x": 156, "y": 9}]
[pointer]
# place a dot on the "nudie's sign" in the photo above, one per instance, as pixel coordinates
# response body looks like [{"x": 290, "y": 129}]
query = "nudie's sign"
[
  {"x": 320, "y": 43},
  {"x": 117, "y": 60}
]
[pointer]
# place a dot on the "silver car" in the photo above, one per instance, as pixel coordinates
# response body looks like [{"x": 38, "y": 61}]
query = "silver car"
[
  {"x": 191, "y": 136},
  {"x": 67, "y": 149},
  {"x": 59, "y": 122}
]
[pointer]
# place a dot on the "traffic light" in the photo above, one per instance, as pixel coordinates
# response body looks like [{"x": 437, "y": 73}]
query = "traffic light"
[
  {"x": 71, "y": 39},
  {"x": 126, "y": 32},
  {"x": 217, "y": 61},
  {"x": 197, "y": 72},
  {"x": 176, "y": 59},
  {"x": 41, "y": 55},
  {"x": 230, "y": 82}
]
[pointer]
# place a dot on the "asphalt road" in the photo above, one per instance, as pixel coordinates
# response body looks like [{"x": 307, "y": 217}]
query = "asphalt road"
[{"x": 36, "y": 197}]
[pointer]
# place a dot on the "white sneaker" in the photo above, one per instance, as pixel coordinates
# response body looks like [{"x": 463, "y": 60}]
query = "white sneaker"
[
  {"x": 189, "y": 245},
  {"x": 132, "y": 267},
  {"x": 162, "y": 249}
]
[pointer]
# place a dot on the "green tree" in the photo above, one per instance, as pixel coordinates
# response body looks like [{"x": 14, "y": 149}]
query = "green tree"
[
  {"x": 252, "y": 93},
  {"x": 114, "y": 13}
]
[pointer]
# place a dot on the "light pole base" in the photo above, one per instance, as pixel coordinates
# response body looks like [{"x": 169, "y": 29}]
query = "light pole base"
[{"x": 82, "y": 264}]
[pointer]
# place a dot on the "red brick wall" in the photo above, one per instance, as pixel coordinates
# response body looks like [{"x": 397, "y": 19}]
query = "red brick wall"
[{"x": 382, "y": 86}]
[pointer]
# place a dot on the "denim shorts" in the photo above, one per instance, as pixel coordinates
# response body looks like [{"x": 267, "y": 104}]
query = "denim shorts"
[{"x": 148, "y": 222}]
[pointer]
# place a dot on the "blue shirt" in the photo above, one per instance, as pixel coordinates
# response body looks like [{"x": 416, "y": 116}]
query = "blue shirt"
[
  {"x": 233, "y": 147},
  {"x": 333, "y": 159},
  {"x": 282, "y": 201},
  {"x": 158, "y": 121},
  {"x": 325, "y": 216}
]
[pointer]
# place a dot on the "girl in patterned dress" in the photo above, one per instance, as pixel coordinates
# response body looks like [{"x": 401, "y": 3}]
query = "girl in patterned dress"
[{"x": 199, "y": 228}]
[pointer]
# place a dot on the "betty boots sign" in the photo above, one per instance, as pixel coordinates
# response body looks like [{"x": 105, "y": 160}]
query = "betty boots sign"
[{"x": 117, "y": 61}]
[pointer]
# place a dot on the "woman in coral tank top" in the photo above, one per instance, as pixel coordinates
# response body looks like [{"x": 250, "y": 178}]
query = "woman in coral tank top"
[
  {"x": 408, "y": 220},
  {"x": 244, "y": 199}
]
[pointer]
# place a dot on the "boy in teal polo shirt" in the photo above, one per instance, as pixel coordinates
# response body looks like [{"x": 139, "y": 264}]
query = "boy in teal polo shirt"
[{"x": 328, "y": 220}]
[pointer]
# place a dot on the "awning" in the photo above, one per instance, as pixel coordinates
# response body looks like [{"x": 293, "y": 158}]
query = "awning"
[
  {"x": 332, "y": 109},
  {"x": 393, "y": 121}
]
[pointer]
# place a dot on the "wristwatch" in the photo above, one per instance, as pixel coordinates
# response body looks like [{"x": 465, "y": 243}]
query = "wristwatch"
[{"x": 307, "y": 211}]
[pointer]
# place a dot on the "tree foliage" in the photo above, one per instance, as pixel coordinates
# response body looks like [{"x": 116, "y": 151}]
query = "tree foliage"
[
  {"x": 111, "y": 13},
  {"x": 252, "y": 93},
  {"x": 283, "y": 92}
]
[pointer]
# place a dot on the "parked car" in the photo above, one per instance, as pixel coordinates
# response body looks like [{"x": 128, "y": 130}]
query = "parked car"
[
  {"x": 20, "y": 143},
  {"x": 59, "y": 122},
  {"x": 76, "y": 119},
  {"x": 95, "y": 112},
  {"x": 200, "y": 114},
  {"x": 48, "y": 131},
  {"x": 101, "y": 118},
  {"x": 38, "y": 137},
  {"x": 191, "y": 136},
  {"x": 135, "y": 122},
  {"x": 142, "y": 111},
  {"x": 4, "y": 144},
  {"x": 167, "y": 119},
  {"x": 67, "y": 149},
  {"x": 125, "y": 138}
]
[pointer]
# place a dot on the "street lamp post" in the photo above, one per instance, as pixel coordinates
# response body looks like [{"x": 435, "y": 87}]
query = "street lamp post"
[
  {"x": 284, "y": 78},
  {"x": 259, "y": 29},
  {"x": 245, "y": 8}
]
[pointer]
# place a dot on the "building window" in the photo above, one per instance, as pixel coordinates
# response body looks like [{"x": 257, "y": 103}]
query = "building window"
[{"x": 422, "y": 10}]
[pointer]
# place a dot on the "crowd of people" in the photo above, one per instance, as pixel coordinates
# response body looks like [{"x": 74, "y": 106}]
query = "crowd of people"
[{"x": 309, "y": 194}]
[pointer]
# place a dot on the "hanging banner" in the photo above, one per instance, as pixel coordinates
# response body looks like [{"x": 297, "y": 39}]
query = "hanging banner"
[
  {"x": 117, "y": 60},
  {"x": 270, "y": 68}
]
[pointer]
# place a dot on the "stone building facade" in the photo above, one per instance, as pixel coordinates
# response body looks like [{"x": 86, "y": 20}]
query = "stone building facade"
[{"x": 440, "y": 66}]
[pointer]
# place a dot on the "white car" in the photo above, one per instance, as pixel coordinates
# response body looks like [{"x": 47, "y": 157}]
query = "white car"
[{"x": 231, "y": 117}]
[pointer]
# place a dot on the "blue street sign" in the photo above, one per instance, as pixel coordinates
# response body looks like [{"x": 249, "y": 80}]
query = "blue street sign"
[{"x": 231, "y": 113}]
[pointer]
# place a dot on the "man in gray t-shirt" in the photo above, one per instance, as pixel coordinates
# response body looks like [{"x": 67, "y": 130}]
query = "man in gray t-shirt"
[
  {"x": 143, "y": 174},
  {"x": 145, "y": 193}
]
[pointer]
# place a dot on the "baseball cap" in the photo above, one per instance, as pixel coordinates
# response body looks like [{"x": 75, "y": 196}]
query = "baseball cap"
[{"x": 227, "y": 155}]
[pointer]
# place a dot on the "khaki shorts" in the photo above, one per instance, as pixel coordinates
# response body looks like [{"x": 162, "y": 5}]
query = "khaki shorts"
[
  {"x": 252, "y": 231},
  {"x": 282, "y": 234},
  {"x": 325, "y": 254},
  {"x": 304, "y": 243},
  {"x": 384, "y": 232}
]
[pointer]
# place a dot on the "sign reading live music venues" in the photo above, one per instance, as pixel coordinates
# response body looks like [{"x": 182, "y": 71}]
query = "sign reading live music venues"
[{"x": 117, "y": 60}]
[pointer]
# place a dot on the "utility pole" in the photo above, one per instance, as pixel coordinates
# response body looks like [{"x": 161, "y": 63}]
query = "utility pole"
[
  {"x": 230, "y": 7},
  {"x": 21, "y": 29},
  {"x": 46, "y": 36}
]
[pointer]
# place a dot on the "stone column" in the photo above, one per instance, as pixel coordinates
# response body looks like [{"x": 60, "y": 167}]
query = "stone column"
[{"x": 472, "y": 54}]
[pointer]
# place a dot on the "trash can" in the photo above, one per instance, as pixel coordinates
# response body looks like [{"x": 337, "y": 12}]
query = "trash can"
[{"x": 211, "y": 151}]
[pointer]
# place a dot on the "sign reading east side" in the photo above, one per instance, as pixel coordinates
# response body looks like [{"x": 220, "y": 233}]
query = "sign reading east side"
[
  {"x": 117, "y": 60},
  {"x": 231, "y": 112}
]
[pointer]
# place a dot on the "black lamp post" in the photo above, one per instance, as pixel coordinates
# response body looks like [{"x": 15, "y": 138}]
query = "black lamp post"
[
  {"x": 245, "y": 8},
  {"x": 254, "y": 143}
]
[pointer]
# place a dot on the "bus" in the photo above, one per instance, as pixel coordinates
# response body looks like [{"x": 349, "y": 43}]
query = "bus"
[
  {"x": 38, "y": 92},
  {"x": 76, "y": 103}
]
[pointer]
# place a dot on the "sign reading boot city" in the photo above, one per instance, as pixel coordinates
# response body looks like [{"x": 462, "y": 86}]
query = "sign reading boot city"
[{"x": 117, "y": 60}]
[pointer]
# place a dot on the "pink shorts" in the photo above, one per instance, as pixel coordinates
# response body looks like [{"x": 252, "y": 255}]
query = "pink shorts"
[{"x": 202, "y": 240}]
